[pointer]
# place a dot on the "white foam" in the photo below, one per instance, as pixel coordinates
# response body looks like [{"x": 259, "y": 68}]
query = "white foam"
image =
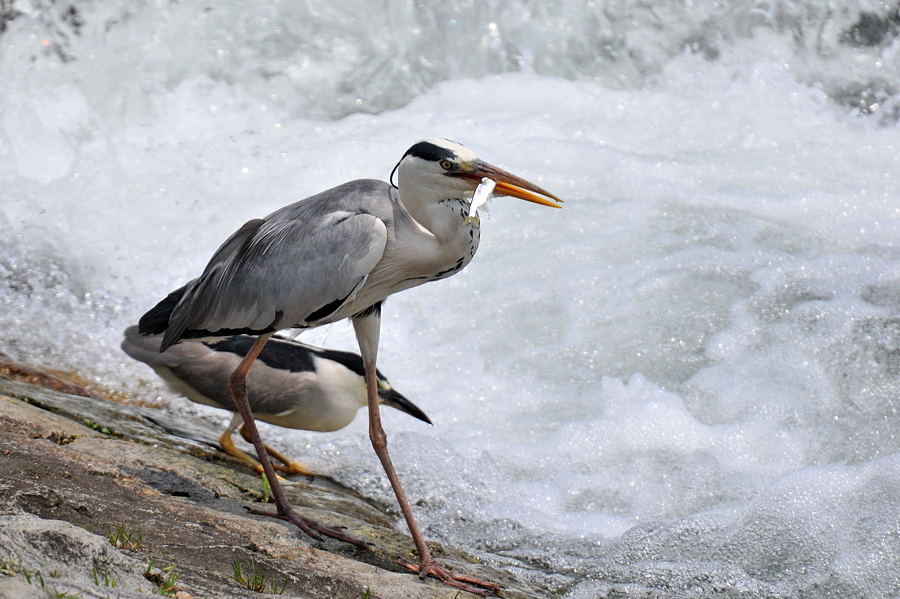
[{"x": 685, "y": 377}]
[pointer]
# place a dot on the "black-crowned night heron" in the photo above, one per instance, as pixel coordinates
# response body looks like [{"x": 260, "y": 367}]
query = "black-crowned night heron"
[{"x": 290, "y": 384}]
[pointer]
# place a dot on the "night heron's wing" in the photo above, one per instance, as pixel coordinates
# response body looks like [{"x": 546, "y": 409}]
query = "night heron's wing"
[
  {"x": 191, "y": 369},
  {"x": 200, "y": 372},
  {"x": 295, "y": 267}
]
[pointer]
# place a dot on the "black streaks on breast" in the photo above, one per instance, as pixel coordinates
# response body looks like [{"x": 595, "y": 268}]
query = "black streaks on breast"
[{"x": 449, "y": 271}]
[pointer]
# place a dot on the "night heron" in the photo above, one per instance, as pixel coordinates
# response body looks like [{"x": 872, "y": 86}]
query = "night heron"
[
  {"x": 335, "y": 255},
  {"x": 291, "y": 384}
]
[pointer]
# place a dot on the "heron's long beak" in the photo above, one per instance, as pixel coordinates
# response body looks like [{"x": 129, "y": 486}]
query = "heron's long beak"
[
  {"x": 397, "y": 400},
  {"x": 509, "y": 184}
]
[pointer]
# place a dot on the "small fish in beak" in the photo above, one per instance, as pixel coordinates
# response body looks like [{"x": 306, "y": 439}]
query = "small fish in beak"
[{"x": 483, "y": 193}]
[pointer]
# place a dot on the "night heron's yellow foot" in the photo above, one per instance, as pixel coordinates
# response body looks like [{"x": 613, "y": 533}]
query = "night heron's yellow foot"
[
  {"x": 287, "y": 466},
  {"x": 290, "y": 466},
  {"x": 459, "y": 581},
  {"x": 310, "y": 527},
  {"x": 231, "y": 449}
]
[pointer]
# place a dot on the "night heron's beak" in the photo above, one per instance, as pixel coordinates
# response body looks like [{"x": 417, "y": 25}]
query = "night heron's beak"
[
  {"x": 396, "y": 400},
  {"x": 509, "y": 184}
]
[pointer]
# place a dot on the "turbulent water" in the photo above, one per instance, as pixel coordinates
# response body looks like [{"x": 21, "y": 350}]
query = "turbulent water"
[{"x": 684, "y": 383}]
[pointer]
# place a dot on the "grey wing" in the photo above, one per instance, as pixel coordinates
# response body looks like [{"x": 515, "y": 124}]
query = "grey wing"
[{"x": 294, "y": 268}]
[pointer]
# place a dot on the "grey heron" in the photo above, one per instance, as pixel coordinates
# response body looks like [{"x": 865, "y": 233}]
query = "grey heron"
[
  {"x": 291, "y": 384},
  {"x": 338, "y": 254}
]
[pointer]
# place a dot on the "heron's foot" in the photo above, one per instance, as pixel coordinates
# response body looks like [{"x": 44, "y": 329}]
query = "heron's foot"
[
  {"x": 287, "y": 466},
  {"x": 459, "y": 581},
  {"x": 292, "y": 467},
  {"x": 261, "y": 471},
  {"x": 228, "y": 446},
  {"x": 309, "y": 526}
]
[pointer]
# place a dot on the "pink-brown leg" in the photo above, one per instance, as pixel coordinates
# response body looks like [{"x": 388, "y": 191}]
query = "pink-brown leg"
[
  {"x": 287, "y": 466},
  {"x": 426, "y": 566},
  {"x": 237, "y": 383}
]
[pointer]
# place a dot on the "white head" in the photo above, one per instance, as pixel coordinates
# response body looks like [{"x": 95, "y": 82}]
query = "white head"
[
  {"x": 340, "y": 379},
  {"x": 436, "y": 169}
]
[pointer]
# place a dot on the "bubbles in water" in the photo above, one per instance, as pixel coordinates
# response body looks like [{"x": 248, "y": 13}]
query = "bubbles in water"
[
  {"x": 303, "y": 60},
  {"x": 683, "y": 383}
]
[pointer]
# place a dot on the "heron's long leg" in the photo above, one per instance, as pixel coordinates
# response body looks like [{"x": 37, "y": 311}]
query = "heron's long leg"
[
  {"x": 426, "y": 566},
  {"x": 367, "y": 325},
  {"x": 228, "y": 446},
  {"x": 237, "y": 383},
  {"x": 288, "y": 466}
]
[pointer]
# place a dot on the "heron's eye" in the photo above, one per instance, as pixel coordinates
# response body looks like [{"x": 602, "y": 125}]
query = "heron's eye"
[{"x": 446, "y": 165}]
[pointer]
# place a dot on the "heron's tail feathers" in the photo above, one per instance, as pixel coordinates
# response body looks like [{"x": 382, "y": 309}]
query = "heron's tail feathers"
[{"x": 156, "y": 320}]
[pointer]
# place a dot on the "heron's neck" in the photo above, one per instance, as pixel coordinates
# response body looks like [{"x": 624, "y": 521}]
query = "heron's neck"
[
  {"x": 440, "y": 243},
  {"x": 444, "y": 219}
]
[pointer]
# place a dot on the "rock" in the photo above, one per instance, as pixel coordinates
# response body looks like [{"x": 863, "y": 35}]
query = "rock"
[
  {"x": 108, "y": 500},
  {"x": 14, "y": 588},
  {"x": 59, "y": 557}
]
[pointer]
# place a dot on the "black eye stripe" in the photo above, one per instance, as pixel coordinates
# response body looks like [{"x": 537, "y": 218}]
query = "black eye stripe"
[{"x": 429, "y": 151}]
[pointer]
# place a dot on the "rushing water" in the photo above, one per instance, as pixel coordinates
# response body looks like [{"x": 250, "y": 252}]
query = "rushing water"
[{"x": 685, "y": 382}]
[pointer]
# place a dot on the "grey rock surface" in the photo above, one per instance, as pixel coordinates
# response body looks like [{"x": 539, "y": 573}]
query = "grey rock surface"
[{"x": 80, "y": 475}]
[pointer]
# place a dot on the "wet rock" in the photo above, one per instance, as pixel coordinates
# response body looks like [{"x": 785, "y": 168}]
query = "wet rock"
[
  {"x": 12, "y": 369},
  {"x": 58, "y": 557},
  {"x": 14, "y": 588},
  {"x": 123, "y": 501}
]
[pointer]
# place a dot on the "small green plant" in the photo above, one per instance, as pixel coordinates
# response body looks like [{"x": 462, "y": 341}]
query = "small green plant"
[
  {"x": 122, "y": 539},
  {"x": 366, "y": 595},
  {"x": 29, "y": 574},
  {"x": 165, "y": 579},
  {"x": 266, "y": 488},
  {"x": 104, "y": 578},
  {"x": 254, "y": 580},
  {"x": 100, "y": 428},
  {"x": 169, "y": 582},
  {"x": 14, "y": 567},
  {"x": 9, "y": 566}
]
